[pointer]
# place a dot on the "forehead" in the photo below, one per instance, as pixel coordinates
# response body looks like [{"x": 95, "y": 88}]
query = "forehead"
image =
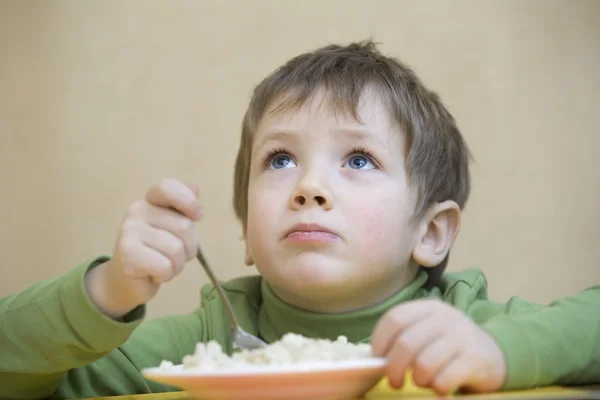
[{"x": 321, "y": 111}]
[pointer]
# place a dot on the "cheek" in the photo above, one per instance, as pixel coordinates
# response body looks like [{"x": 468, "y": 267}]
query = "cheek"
[
  {"x": 258, "y": 219},
  {"x": 370, "y": 217},
  {"x": 263, "y": 211},
  {"x": 375, "y": 225},
  {"x": 381, "y": 222}
]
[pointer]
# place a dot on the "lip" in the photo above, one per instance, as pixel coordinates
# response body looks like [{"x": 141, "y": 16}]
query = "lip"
[{"x": 311, "y": 232}]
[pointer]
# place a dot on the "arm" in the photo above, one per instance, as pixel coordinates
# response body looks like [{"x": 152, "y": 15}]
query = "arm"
[
  {"x": 73, "y": 336},
  {"x": 55, "y": 342},
  {"x": 546, "y": 345}
]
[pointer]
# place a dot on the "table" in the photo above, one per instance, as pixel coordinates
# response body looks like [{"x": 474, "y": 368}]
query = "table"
[{"x": 556, "y": 393}]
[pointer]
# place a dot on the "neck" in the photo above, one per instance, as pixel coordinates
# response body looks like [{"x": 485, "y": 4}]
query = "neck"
[
  {"x": 351, "y": 297},
  {"x": 277, "y": 317}
]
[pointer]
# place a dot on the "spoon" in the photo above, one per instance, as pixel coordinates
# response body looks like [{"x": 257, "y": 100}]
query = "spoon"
[{"x": 241, "y": 339}]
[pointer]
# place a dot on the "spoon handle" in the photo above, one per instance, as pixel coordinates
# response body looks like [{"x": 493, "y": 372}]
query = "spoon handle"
[{"x": 220, "y": 290}]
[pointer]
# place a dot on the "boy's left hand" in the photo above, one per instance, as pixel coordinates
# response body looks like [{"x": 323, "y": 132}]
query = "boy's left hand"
[{"x": 442, "y": 346}]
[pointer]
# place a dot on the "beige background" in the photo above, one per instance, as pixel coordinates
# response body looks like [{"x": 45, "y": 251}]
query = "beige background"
[{"x": 99, "y": 99}]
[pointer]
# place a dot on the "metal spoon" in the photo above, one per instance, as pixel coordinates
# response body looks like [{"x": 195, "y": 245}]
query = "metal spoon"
[{"x": 241, "y": 339}]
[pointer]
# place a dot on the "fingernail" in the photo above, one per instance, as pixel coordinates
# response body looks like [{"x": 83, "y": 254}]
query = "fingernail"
[{"x": 193, "y": 188}]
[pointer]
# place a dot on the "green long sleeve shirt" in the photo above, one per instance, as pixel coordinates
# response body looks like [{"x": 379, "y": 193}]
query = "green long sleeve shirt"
[{"x": 55, "y": 343}]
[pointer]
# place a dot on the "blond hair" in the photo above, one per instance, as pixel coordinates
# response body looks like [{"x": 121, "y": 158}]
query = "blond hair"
[{"x": 436, "y": 156}]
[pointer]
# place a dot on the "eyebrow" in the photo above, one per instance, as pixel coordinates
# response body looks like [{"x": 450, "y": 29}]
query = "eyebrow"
[
  {"x": 282, "y": 134},
  {"x": 356, "y": 133},
  {"x": 276, "y": 135}
]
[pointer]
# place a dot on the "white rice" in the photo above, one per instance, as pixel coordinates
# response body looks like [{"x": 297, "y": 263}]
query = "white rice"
[{"x": 291, "y": 349}]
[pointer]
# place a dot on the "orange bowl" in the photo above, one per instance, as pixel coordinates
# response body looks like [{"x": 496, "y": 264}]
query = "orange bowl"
[{"x": 329, "y": 380}]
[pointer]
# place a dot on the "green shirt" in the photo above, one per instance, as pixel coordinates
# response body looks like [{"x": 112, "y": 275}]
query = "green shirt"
[{"x": 55, "y": 343}]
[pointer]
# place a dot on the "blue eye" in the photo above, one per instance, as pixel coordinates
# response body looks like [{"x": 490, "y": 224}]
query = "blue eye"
[
  {"x": 281, "y": 161},
  {"x": 360, "y": 162}
]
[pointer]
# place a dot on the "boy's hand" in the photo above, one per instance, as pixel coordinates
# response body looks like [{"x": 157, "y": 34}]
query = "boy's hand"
[
  {"x": 157, "y": 238},
  {"x": 444, "y": 348}
]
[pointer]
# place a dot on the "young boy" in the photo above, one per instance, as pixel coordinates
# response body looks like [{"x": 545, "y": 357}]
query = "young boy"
[{"x": 349, "y": 184}]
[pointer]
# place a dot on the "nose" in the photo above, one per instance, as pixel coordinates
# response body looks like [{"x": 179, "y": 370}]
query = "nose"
[{"x": 310, "y": 192}]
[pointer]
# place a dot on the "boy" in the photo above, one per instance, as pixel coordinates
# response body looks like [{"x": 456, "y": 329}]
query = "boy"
[{"x": 349, "y": 184}]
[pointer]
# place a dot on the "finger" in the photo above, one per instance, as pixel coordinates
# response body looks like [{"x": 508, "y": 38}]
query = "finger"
[
  {"x": 409, "y": 344},
  {"x": 454, "y": 375},
  {"x": 394, "y": 322},
  {"x": 145, "y": 262},
  {"x": 194, "y": 188},
  {"x": 168, "y": 245},
  {"x": 171, "y": 193},
  {"x": 433, "y": 358},
  {"x": 178, "y": 224}
]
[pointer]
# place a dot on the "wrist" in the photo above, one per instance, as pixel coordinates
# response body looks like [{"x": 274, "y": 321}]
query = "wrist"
[
  {"x": 497, "y": 368},
  {"x": 107, "y": 301}
]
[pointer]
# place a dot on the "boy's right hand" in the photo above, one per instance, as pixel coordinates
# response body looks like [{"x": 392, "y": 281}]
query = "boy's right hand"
[{"x": 157, "y": 238}]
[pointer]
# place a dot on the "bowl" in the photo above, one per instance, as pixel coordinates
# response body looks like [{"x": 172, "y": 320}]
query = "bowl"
[{"x": 324, "y": 380}]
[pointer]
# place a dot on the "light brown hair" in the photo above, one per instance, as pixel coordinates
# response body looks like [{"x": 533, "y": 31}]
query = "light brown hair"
[{"x": 436, "y": 156}]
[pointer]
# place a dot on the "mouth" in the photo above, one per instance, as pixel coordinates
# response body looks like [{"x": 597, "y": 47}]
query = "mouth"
[{"x": 310, "y": 233}]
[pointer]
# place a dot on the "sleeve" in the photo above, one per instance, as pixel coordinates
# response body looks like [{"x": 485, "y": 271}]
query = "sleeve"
[
  {"x": 555, "y": 344},
  {"x": 55, "y": 343}
]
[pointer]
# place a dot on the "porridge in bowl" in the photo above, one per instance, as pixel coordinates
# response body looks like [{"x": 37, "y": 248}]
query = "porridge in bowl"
[
  {"x": 292, "y": 368},
  {"x": 291, "y": 349}
]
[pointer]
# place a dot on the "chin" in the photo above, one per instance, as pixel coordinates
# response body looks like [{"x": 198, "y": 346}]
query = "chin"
[{"x": 316, "y": 273}]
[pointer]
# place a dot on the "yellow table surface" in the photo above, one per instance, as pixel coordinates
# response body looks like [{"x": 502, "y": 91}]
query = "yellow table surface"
[
  {"x": 414, "y": 393},
  {"x": 410, "y": 391}
]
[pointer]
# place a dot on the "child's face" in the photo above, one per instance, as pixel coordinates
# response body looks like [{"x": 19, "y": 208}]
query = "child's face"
[{"x": 344, "y": 177}]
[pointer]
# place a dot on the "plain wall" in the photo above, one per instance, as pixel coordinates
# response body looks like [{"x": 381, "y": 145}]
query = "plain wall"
[{"x": 100, "y": 99}]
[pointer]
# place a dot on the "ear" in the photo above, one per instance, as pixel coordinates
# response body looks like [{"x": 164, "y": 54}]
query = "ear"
[
  {"x": 440, "y": 227},
  {"x": 248, "y": 260}
]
